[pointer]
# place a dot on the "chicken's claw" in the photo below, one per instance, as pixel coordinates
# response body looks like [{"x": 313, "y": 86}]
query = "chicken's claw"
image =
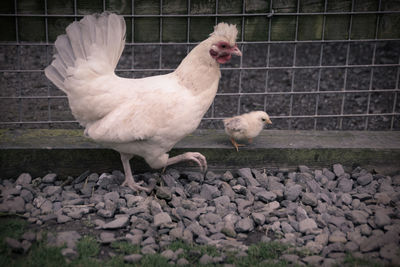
[
  {"x": 135, "y": 186},
  {"x": 199, "y": 159}
]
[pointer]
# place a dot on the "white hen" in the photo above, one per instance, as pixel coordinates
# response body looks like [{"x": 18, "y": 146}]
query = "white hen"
[
  {"x": 144, "y": 117},
  {"x": 246, "y": 126}
]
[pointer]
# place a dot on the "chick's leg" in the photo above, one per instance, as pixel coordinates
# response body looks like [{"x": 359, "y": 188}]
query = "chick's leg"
[
  {"x": 193, "y": 156},
  {"x": 129, "y": 182},
  {"x": 236, "y": 145}
]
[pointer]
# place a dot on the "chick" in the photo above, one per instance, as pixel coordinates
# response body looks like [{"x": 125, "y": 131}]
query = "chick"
[{"x": 246, "y": 126}]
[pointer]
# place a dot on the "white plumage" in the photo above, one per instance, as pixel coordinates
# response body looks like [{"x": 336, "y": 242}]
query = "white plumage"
[
  {"x": 146, "y": 116},
  {"x": 246, "y": 126}
]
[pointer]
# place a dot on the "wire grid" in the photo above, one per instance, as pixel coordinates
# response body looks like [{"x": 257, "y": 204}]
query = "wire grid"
[{"x": 379, "y": 105}]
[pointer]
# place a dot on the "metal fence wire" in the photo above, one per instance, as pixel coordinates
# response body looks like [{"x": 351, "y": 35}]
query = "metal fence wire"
[{"x": 310, "y": 64}]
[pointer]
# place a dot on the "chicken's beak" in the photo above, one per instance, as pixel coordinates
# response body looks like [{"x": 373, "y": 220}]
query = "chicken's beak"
[
  {"x": 268, "y": 121},
  {"x": 235, "y": 50}
]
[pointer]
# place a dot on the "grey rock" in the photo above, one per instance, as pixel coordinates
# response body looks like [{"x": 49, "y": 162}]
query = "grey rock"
[
  {"x": 346, "y": 198},
  {"x": 328, "y": 174},
  {"x": 61, "y": 218},
  {"x": 133, "y": 258},
  {"x": 244, "y": 225},
  {"x": 351, "y": 246},
  {"x": 52, "y": 190},
  {"x": 194, "y": 176},
  {"x": 155, "y": 207},
  {"x": 227, "y": 176},
  {"x": 24, "y": 179},
  {"x": 258, "y": 218},
  {"x": 240, "y": 189},
  {"x": 148, "y": 241},
  {"x": 148, "y": 250},
  {"x": 292, "y": 192},
  {"x": 69, "y": 238},
  {"x": 286, "y": 227},
  {"x": 69, "y": 253},
  {"x": 14, "y": 244},
  {"x": 111, "y": 196},
  {"x": 210, "y": 218},
  {"x": 49, "y": 178},
  {"x": 307, "y": 225},
  {"x": 16, "y": 205},
  {"x": 26, "y": 195},
  {"x": 134, "y": 239},
  {"x": 117, "y": 223},
  {"x": 46, "y": 207},
  {"x": 345, "y": 185},
  {"x": 205, "y": 259},
  {"x": 301, "y": 214},
  {"x": 390, "y": 252},
  {"x": 338, "y": 170},
  {"x": 182, "y": 262},
  {"x": 314, "y": 260},
  {"x": 168, "y": 254},
  {"x": 222, "y": 200},
  {"x": 381, "y": 218},
  {"x": 357, "y": 216},
  {"x": 107, "y": 237},
  {"x": 365, "y": 179},
  {"x": 226, "y": 190},
  {"x": 337, "y": 236},
  {"x": 265, "y": 196},
  {"x": 164, "y": 193},
  {"x": 248, "y": 177},
  {"x": 196, "y": 229},
  {"x": 209, "y": 192},
  {"x": 162, "y": 218},
  {"x": 309, "y": 199},
  {"x": 290, "y": 258},
  {"x": 176, "y": 233}
]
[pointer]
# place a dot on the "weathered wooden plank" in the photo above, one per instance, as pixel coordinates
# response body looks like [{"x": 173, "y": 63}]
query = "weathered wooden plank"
[
  {"x": 174, "y": 30},
  {"x": 337, "y": 6},
  {"x": 256, "y": 29},
  {"x": 119, "y": 6},
  {"x": 202, "y": 6},
  {"x": 337, "y": 27},
  {"x": 85, "y": 7},
  {"x": 147, "y": 7},
  {"x": 367, "y": 5},
  {"x": 60, "y": 7},
  {"x": 56, "y": 27},
  {"x": 312, "y": 6},
  {"x": 31, "y": 29},
  {"x": 147, "y": 30},
  {"x": 175, "y": 7},
  {"x": 283, "y": 28},
  {"x": 230, "y": 6},
  {"x": 30, "y": 7},
  {"x": 389, "y": 26},
  {"x": 200, "y": 28},
  {"x": 284, "y": 6},
  {"x": 7, "y": 29},
  {"x": 363, "y": 27},
  {"x": 7, "y": 7},
  {"x": 257, "y": 6},
  {"x": 310, "y": 27}
]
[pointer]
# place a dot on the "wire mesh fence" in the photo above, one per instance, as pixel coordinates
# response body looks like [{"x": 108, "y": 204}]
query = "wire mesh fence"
[{"x": 311, "y": 64}]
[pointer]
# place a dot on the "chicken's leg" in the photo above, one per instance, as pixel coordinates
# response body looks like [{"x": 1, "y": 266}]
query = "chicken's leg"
[
  {"x": 193, "y": 156},
  {"x": 236, "y": 145},
  {"x": 128, "y": 174}
]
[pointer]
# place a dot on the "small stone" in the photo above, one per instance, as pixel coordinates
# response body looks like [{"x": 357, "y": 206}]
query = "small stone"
[
  {"x": 244, "y": 225},
  {"x": 205, "y": 259},
  {"x": 70, "y": 238},
  {"x": 265, "y": 196},
  {"x": 69, "y": 253},
  {"x": 307, "y": 225},
  {"x": 292, "y": 192},
  {"x": 133, "y": 258},
  {"x": 107, "y": 237},
  {"x": 209, "y": 192},
  {"x": 338, "y": 170},
  {"x": 49, "y": 178},
  {"x": 381, "y": 218},
  {"x": 227, "y": 176},
  {"x": 351, "y": 246},
  {"x": 24, "y": 179},
  {"x": 182, "y": 262},
  {"x": 248, "y": 177},
  {"x": 168, "y": 254},
  {"x": 46, "y": 207},
  {"x": 148, "y": 250},
  {"x": 286, "y": 227},
  {"x": 164, "y": 193},
  {"x": 346, "y": 199},
  {"x": 14, "y": 245},
  {"x": 357, "y": 216},
  {"x": 345, "y": 185},
  {"x": 365, "y": 179},
  {"x": 381, "y": 198},
  {"x": 119, "y": 222},
  {"x": 309, "y": 199},
  {"x": 52, "y": 190},
  {"x": 390, "y": 252},
  {"x": 162, "y": 218},
  {"x": 337, "y": 236},
  {"x": 258, "y": 218},
  {"x": 313, "y": 260},
  {"x": 63, "y": 218}
]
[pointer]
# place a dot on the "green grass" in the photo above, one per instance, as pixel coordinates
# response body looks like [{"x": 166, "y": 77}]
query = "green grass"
[
  {"x": 88, "y": 247},
  {"x": 194, "y": 252},
  {"x": 125, "y": 248},
  {"x": 352, "y": 261}
]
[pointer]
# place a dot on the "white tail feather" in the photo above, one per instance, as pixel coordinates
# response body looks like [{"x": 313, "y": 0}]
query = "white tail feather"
[{"x": 97, "y": 38}]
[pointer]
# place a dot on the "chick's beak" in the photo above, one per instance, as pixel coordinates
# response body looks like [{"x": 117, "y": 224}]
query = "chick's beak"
[
  {"x": 268, "y": 121},
  {"x": 235, "y": 51}
]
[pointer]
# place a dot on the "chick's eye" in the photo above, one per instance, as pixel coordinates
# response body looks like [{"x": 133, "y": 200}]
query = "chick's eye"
[
  {"x": 263, "y": 119},
  {"x": 223, "y": 46}
]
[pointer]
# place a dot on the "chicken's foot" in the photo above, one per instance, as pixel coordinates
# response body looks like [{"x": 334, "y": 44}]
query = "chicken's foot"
[
  {"x": 193, "y": 156},
  {"x": 236, "y": 145},
  {"x": 129, "y": 182}
]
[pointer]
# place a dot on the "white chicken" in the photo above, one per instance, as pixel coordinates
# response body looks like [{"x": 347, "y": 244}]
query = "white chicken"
[
  {"x": 144, "y": 117},
  {"x": 246, "y": 126}
]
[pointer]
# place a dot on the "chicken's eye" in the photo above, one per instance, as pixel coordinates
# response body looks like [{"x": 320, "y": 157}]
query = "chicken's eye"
[
  {"x": 223, "y": 46},
  {"x": 263, "y": 119}
]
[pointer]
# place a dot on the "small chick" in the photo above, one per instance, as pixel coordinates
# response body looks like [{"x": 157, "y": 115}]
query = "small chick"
[{"x": 246, "y": 126}]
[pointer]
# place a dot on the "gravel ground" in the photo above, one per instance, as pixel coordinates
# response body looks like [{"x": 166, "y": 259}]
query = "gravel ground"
[
  {"x": 29, "y": 84},
  {"x": 327, "y": 212}
]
